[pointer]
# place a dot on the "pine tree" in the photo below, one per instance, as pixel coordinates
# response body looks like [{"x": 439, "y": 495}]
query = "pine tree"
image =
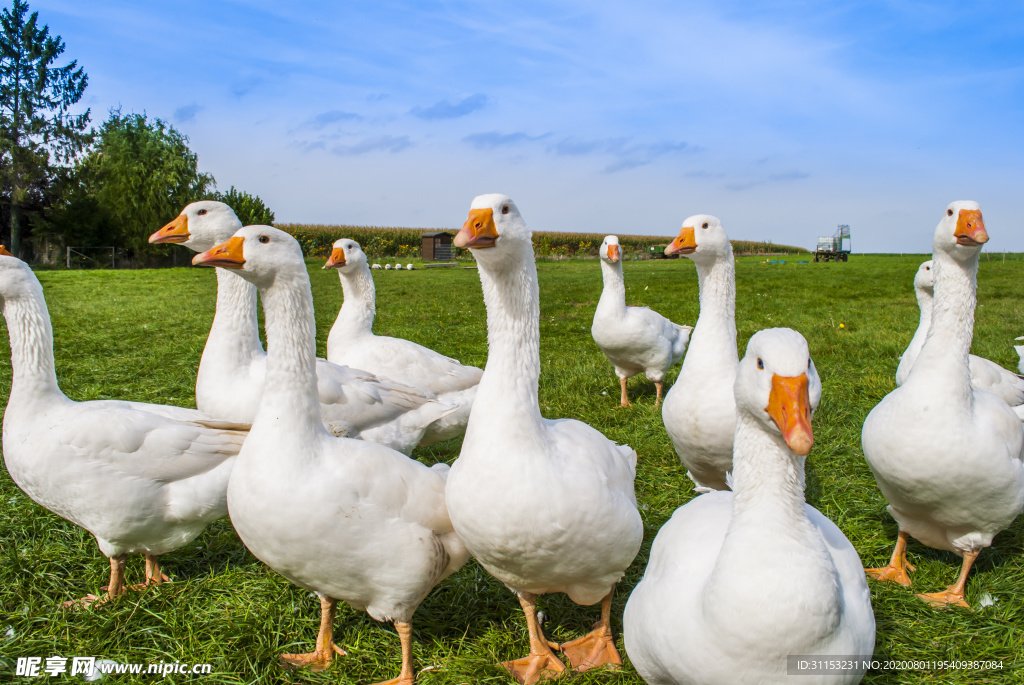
[{"x": 35, "y": 127}]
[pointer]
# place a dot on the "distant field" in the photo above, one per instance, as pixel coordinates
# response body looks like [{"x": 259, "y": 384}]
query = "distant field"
[
  {"x": 383, "y": 242},
  {"x": 138, "y": 335}
]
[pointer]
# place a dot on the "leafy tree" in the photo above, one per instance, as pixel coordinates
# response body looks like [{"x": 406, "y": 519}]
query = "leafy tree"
[
  {"x": 35, "y": 127},
  {"x": 140, "y": 173},
  {"x": 249, "y": 208}
]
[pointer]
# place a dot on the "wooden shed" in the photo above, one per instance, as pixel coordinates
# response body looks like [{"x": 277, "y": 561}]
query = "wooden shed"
[{"x": 436, "y": 247}]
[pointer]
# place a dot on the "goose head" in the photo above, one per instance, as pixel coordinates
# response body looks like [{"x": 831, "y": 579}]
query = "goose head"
[
  {"x": 16, "y": 278},
  {"x": 924, "y": 280},
  {"x": 494, "y": 229},
  {"x": 702, "y": 239},
  {"x": 346, "y": 256},
  {"x": 256, "y": 253},
  {"x": 961, "y": 231},
  {"x": 200, "y": 226},
  {"x": 777, "y": 385},
  {"x": 610, "y": 251}
]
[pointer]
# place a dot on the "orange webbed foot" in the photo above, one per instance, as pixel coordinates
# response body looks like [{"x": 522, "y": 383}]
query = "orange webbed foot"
[
  {"x": 535, "y": 668},
  {"x": 891, "y": 573},
  {"x": 594, "y": 649},
  {"x": 945, "y": 599},
  {"x": 316, "y": 661}
]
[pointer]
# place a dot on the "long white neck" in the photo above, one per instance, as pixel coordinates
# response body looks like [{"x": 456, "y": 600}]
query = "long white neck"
[
  {"x": 946, "y": 351},
  {"x": 508, "y": 389},
  {"x": 28, "y": 324},
  {"x": 771, "y": 547},
  {"x": 359, "y": 307},
  {"x": 234, "y": 337},
  {"x": 714, "y": 334},
  {"x": 290, "y": 400},
  {"x": 613, "y": 297},
  {"x": 924, "y": 303}
]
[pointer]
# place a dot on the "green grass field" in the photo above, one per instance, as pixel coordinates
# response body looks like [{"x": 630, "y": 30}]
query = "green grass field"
[{"x": 138, "y": 335}]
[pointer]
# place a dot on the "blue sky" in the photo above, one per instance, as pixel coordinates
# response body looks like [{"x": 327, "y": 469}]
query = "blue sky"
[{"x": 784, "y": 118}]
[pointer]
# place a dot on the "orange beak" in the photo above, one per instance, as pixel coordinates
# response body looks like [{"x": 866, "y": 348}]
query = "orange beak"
[
  {"x": 174, "y": 232},
  {"x": 970, "y": 228},
  {"x": 613, "y": 253},
  {"x": 478, "y": 231},
  {"x": 685, "y": 242},
  {"x": 227, "y": 255},
  {"x": 789, "y": 406},
  {"x": 336, "y": 260},
  {"x": 4, "y": 252}
]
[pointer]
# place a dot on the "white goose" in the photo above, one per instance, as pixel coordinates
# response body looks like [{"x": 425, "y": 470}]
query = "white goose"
[
  {"x": 231, "y": 375},
  {"x": 985, "y": 375},
  {"x": 700, "y": 411},
  {"x": 947, "y": 457},
  {"x": 142, "y": 478},
  {"x": 353, "y": 342},
  {"x": 544, "y": 505},
  {"x": 349, "y": 519},
  {"x": 738, "y": 581},
  {"x": 1020, "y": 353},
  {"x": 635, "y": 339}
]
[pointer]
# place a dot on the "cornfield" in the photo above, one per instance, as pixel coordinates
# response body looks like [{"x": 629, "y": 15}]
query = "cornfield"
[{"x": 381, "y": 242}]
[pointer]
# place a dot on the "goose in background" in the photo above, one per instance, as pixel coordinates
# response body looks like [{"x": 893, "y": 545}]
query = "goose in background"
[
  {"x": 229, "y": 385},
  {"x": 1020, "y": 353},
  {"x": 544, "y": 505},
  {"x": 351, "y": 520},
  {"x": 142, "y": 478},
  {"x": 635, "y": 339},
  {"x": 353, "y": 342},
  {"x": 985, "y": 375},
  {"x": 700, "y": 411},
  {"x": 952, "y": 474},
  {"x": 739, "y": 581}
]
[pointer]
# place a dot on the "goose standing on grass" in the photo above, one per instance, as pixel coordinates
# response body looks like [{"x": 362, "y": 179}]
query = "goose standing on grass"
[
  {"x": 738, "y": 581},
  {"x": 947, "y": 457},
  {"x": 142, "y": 478},
  {"x": 353, "y": 342},
  {"x": 348, "y": 519},
  {"x": 700, "y": 411},
  {"x": 635, "y": 339},
  {"x": 985, "y": 375},
  {"x": 353, "y": 402},
  {"x": 544, "y": 505}
]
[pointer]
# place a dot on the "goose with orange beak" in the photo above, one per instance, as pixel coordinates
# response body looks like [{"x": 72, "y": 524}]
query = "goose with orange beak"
[
  {"x": 353, "y": 401},
  {"x": 635, "y": 339},
  {"x": 700, "y": 411},
  {"x": 948, "y": 458},
  {"x": 739, "y": 581},
  {"x": 545, "y": 505},
  {"x": 985, "y": 374},
  {"x": 352, "y": 342}
]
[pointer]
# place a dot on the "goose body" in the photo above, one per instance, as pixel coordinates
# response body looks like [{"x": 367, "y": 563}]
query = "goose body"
[
  {"x": 544, "y": 505},
  {"x": 635, "y": 339},
  {"x": 351, "y": 520},
  {"x": 700, "y": 411},
  {"x": 947, "y": 457},
  {"x": 985, "y": 375},
  {"x": 738, "y": 581},
  {"x": 141, "y": 478},
  {"x": 352, "y": 342},
  {"x": 229, "y": 385}
]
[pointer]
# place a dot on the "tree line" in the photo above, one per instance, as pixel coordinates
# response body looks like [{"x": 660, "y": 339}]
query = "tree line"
[{"x": 66, "y": 184}]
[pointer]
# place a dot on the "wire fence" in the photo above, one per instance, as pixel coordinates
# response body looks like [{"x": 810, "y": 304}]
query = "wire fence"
[{"x": 92, "y": 257}]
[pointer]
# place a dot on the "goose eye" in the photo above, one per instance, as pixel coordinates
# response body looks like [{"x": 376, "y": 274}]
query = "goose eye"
[
  {"x": 927, "y": 268},
  {"x": 949, "y": 212},
  {"x": 504, "y": 209},
  {"x": 704, "y": 225},
  {"x": 201, "y": 212},
  {"x": 760, "y": 364},
  {"x": 808, "y": 364},
  {"x": 264, "y": 239}
]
